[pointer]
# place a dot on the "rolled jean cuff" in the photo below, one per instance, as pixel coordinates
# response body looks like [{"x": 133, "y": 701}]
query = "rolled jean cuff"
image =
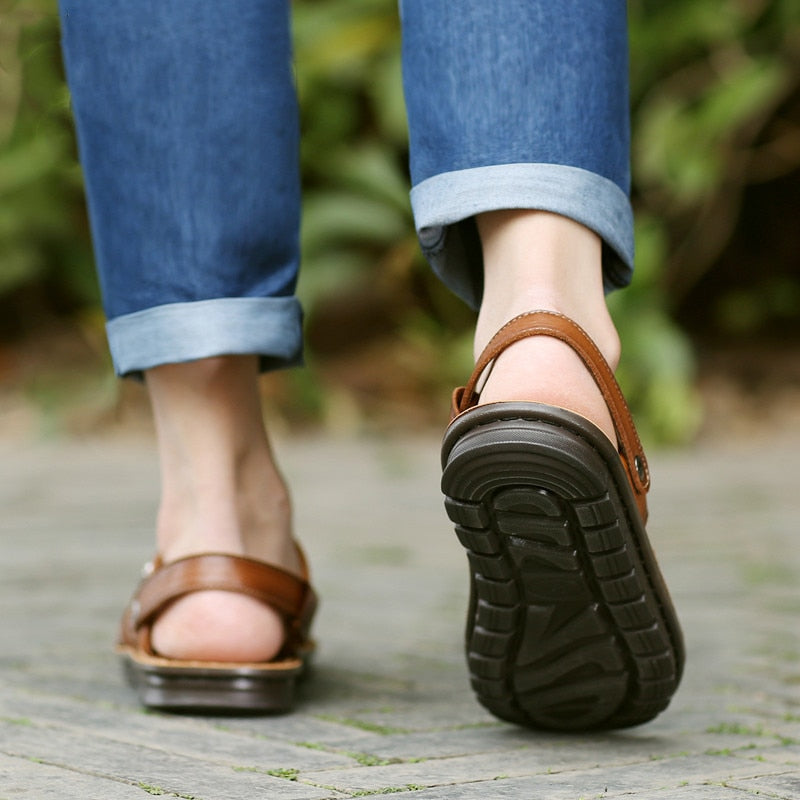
[
  {"x": 270, "y": 327},
  {"x": 445, "y": 204}
]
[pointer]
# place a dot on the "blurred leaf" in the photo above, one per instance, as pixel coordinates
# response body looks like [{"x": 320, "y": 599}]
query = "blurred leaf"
[
  {"x": 386, "y": 93},
  {"x": 708, "y": 80},
  {"x": 43, "y": 233},
  {"x": 682, "y": 142},
  {"x": 656, "y": 374},
  {"x": 337, "y": 216},
  {"x": 336, "y": 35},
  {"x": 19, "y": 265},
  {"x": 370, "y": 169},
  {"x": 26, "y": 162},
  {"x": 333, "y": 271}
]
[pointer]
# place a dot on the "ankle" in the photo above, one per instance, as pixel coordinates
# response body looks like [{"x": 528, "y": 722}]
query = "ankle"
[
  {"x": 246, "y": 514},
  {"x": 221, "y": 489},
  {"x": 536, "y": 260},
  {"x": 597, "y": 322},
  {"x": 539, "y": 261}
]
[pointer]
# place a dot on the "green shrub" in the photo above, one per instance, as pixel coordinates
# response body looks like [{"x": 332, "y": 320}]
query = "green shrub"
[
  {"x": 710, "y": 80},
  {"x": 45, "y": 253}
]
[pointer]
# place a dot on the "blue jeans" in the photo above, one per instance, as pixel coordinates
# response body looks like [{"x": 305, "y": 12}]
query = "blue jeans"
[{"x": 188, "y": 127}]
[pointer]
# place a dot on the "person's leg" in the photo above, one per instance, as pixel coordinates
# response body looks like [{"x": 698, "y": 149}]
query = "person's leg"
[
  {"x": 538, "y": 260},
  {"x": 519, "y": 164},
  {"x": 221, "y": 493},
  {"x": 518, "y": 119},
  {"x": 188, "y": 129}
]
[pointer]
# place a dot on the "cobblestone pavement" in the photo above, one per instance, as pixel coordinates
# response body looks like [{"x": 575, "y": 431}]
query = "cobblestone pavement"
[{"x": 388, "y": 708}]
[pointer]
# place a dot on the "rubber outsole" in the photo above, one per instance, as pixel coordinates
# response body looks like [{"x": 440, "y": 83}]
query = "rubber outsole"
[
  {"x": 208, "y": 689},
  {"x": 570, "y": 625}
]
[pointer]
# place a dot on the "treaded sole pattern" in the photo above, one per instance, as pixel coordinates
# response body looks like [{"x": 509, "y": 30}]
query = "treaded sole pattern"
[{"x": 570, "y": 626}]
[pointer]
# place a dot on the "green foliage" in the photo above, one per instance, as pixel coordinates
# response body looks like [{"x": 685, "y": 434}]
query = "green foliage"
[
  {"x": 710, "y": 84},
  {"x": 356, "y": 215},
  {"x": 708, "y": 81},
  {"x": 657, "y": 366},
  {"x": 44, "y": 240}
]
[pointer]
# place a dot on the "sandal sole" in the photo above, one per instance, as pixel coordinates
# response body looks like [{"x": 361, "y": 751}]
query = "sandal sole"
[
  {"x": 570, "y": 625},
  {"x": 204, "y": 688}
]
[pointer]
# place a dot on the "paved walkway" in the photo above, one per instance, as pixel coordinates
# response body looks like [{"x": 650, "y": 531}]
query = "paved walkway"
[{"x": 389, "y": 709}]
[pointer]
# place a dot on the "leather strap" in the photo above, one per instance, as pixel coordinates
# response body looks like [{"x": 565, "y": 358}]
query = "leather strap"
[
  {"x": 550, "y": 323},
  {"x": 288, "y": 594}
]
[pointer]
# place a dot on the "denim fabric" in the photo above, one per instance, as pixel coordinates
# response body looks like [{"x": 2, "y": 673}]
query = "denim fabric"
[
  {"x": 188, "y": 131},
  {"x": 444, "y": 205},
  {"x": 165, "y": 334},
  {"x": 517, "y": 84},
  {"x": 187, "y": 126}
]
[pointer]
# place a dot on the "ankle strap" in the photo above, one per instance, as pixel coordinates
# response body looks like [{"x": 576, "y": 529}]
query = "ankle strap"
[{"x": 550, "y": 323}]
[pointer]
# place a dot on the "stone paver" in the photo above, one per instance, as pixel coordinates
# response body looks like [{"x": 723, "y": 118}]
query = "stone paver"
[{"x": 388, "y": 708}]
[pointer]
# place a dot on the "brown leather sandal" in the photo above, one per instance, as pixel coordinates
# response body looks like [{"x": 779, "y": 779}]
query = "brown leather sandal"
[
  {"x": 570, "y": 624},
  {"x": 219, "y": 687}
]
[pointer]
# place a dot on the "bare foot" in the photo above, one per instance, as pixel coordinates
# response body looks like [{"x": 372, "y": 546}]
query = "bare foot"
[
  {"x": 221, "y": 493},
  {"x": 540, "y": 261}
]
